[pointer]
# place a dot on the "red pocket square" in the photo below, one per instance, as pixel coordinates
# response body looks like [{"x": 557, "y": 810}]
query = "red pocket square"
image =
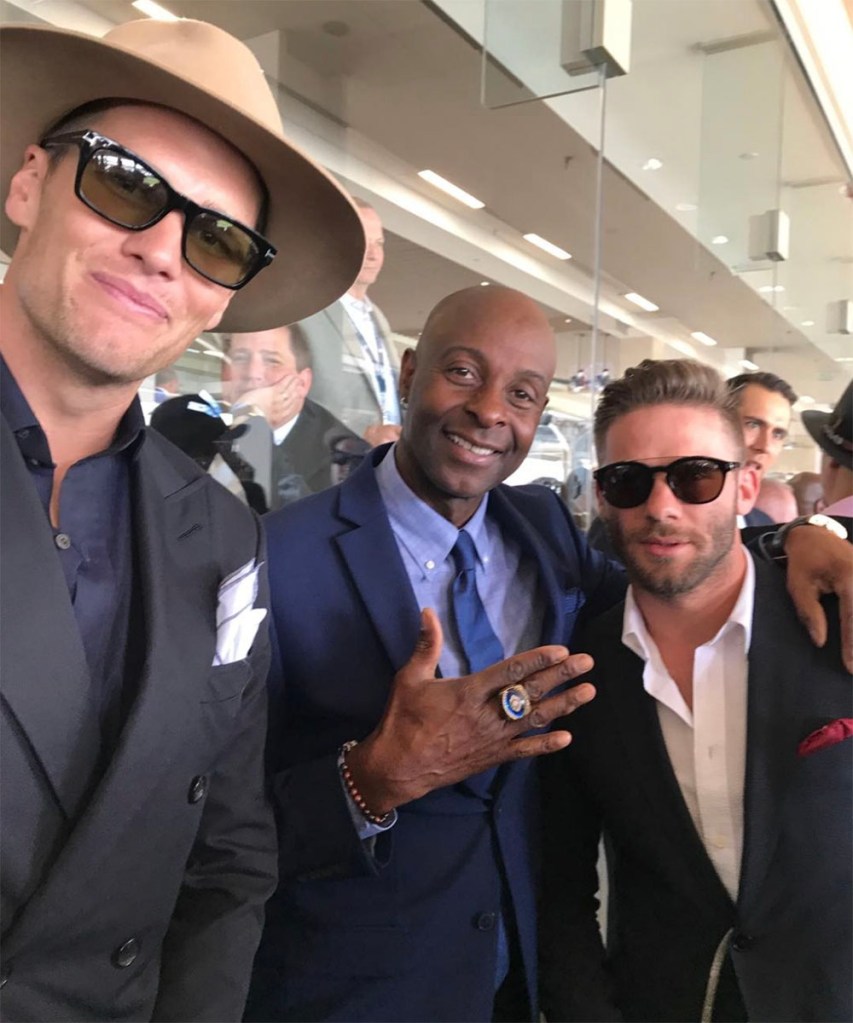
[{"x": 829, "y": 735}]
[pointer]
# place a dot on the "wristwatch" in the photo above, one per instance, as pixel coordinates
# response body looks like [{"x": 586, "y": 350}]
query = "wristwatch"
[{"x": 774, "y": 545}]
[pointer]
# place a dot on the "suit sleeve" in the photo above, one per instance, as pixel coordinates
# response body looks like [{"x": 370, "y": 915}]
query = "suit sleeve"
[
  {"x": 573, "y": 976},
  {"x": 216, "y": 925}
]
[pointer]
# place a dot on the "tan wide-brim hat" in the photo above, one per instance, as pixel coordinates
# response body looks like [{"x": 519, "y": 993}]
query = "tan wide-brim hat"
[{"x": 207, "y": 74}]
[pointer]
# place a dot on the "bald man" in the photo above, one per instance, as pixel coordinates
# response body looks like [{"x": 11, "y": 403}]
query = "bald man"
[{"x": 406, "y": 860}]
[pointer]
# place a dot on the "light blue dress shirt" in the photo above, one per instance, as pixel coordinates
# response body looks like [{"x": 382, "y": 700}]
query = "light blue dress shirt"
[{"x": 506, "y": 582}]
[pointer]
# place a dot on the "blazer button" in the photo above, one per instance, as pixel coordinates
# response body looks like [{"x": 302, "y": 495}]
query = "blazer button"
[
  {"x": 125, "y": 954},
  {"x": 742, "y": 942},
  {"x": 485, "y": 921},
  {"x": 198, "y": 789}
]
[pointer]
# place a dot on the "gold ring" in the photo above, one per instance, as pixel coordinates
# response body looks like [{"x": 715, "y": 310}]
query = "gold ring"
[{"x": 515, "y": 702}]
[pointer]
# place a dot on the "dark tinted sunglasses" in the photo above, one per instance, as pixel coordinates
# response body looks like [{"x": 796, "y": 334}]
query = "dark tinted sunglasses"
[
  {"x": 123, "y": 189},
  {"x": 694, "y": 480}
]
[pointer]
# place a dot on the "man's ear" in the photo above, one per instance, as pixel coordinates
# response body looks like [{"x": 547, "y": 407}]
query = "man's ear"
[
  {"x": 25, "y": 188},
  {"x": 747, "y": 489},
  {"x": 408, "y": 365},
  {"x": 305, "y": 378}
]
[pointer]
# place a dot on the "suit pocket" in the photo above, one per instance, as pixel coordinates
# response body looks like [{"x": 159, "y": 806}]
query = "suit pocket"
[{"x": 227, "y": 682}]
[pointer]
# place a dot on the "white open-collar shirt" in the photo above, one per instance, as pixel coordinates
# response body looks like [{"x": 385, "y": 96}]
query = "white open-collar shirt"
[{"x": 706, "y": 746}]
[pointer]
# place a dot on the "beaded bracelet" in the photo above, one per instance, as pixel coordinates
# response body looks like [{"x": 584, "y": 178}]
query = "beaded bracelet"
[{"x": 354, "y": 794}]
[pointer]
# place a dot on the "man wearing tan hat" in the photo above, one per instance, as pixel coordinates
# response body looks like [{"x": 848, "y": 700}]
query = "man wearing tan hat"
[{"x": 137, "y": 846}]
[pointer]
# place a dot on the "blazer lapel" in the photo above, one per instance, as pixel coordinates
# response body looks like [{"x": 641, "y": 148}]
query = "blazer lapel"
[
  {"x": 515, "y": 527},
  {"x": 637, "y": 730},
  {"x": 773, "y": 731},
  {"x": 45, "y": 677},
  {"x": 370, "y": 543},
  {"x": 179, "y": 601}
]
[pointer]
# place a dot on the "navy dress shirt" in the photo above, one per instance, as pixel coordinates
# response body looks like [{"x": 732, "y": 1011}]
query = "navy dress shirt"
[{"x": 93, "y": 543}]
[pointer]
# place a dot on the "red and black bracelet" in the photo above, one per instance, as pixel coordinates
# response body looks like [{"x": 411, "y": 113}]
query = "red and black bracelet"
[{"x": 352, "y": 788}]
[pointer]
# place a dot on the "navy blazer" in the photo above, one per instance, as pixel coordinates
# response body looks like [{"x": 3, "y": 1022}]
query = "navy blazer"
[
  {"x": 790, "y": 948},
  {"x": 405, "y": 930}
]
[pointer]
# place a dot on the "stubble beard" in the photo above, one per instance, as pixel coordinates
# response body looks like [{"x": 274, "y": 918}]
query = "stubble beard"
[{"x": 669, "y": 582}]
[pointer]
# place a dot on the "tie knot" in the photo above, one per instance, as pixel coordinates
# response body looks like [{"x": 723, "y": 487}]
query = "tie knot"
[{"x": 464, "y": 553}]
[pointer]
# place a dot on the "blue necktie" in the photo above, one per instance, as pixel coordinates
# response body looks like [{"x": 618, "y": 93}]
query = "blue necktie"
[{"x": 482, "y": 648}]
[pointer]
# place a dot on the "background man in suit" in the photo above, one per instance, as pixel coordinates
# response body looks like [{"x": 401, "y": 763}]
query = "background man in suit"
[
  {"x": 356, "y": 366},
  {"x": 272, "y": 369},
  {"x": 713, "y": 757},
  {"x": 420, "y": 905},
  {"x": 137, "y": 845},
  {"x": 765, "y": 404},
  {"x": 833, "y": 433}
]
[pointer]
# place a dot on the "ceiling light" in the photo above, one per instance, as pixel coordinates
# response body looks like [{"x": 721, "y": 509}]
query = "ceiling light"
[
  {"x": 484, "y": 284},
  {"x": 845, "y": 358},
  {"x": 643, "y": 303},
  {"x": 567, "y": 320},
  {"x": 152, "y": 10},
  {"x": 705, "y": 339},
  {"x": 453, "y": 190},
  {"x": 683, "y": 347},
  {"x": 767, "y": 289},
  {"x": 746, "y": 364},
  {"x": 653, "y": 164},
  {"x": 807, "y": 323},
  {"x": 720, "y": 239},
  {"x": 547, "y": 246},
  {"x": 686, "y": 207}
]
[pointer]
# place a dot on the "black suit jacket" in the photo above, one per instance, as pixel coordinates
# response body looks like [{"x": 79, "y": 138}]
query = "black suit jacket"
[
  {"x": 668, "y": 910},
  {"x": 134, "y": 893},
  {"x": 302, "y": 463}
]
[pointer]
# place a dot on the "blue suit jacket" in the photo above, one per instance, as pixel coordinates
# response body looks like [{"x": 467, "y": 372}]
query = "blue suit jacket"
[
  {"x": 406, "y": 931},
  {"x": 789, "y": 955}
]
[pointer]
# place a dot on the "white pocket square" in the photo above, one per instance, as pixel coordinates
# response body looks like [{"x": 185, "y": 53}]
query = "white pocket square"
[{"x": 237, "y": 619}]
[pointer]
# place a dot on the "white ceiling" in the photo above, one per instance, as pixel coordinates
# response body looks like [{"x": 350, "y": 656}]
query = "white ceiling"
[{"x": 397, "y": 74}]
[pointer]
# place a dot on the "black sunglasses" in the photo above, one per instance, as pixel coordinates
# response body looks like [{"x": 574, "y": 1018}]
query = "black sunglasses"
[
  {"x": 694, "y": 480},
  {"x": 123, "y": 189}
]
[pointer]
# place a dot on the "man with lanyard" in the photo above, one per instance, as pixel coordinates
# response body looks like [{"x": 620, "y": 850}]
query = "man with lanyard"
[{"x": 356, "y": 366}]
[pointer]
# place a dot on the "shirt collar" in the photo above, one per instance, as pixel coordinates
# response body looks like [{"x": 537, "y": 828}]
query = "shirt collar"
[
  {"x": 636, "y": 637},
  {"x": 842, "y": 507},
  {"x": 19, "y": 416},
  {"x": 426, "y": 535},
  {"x": 281, "y": 433},
  {"x": 358, "y": 305}
]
